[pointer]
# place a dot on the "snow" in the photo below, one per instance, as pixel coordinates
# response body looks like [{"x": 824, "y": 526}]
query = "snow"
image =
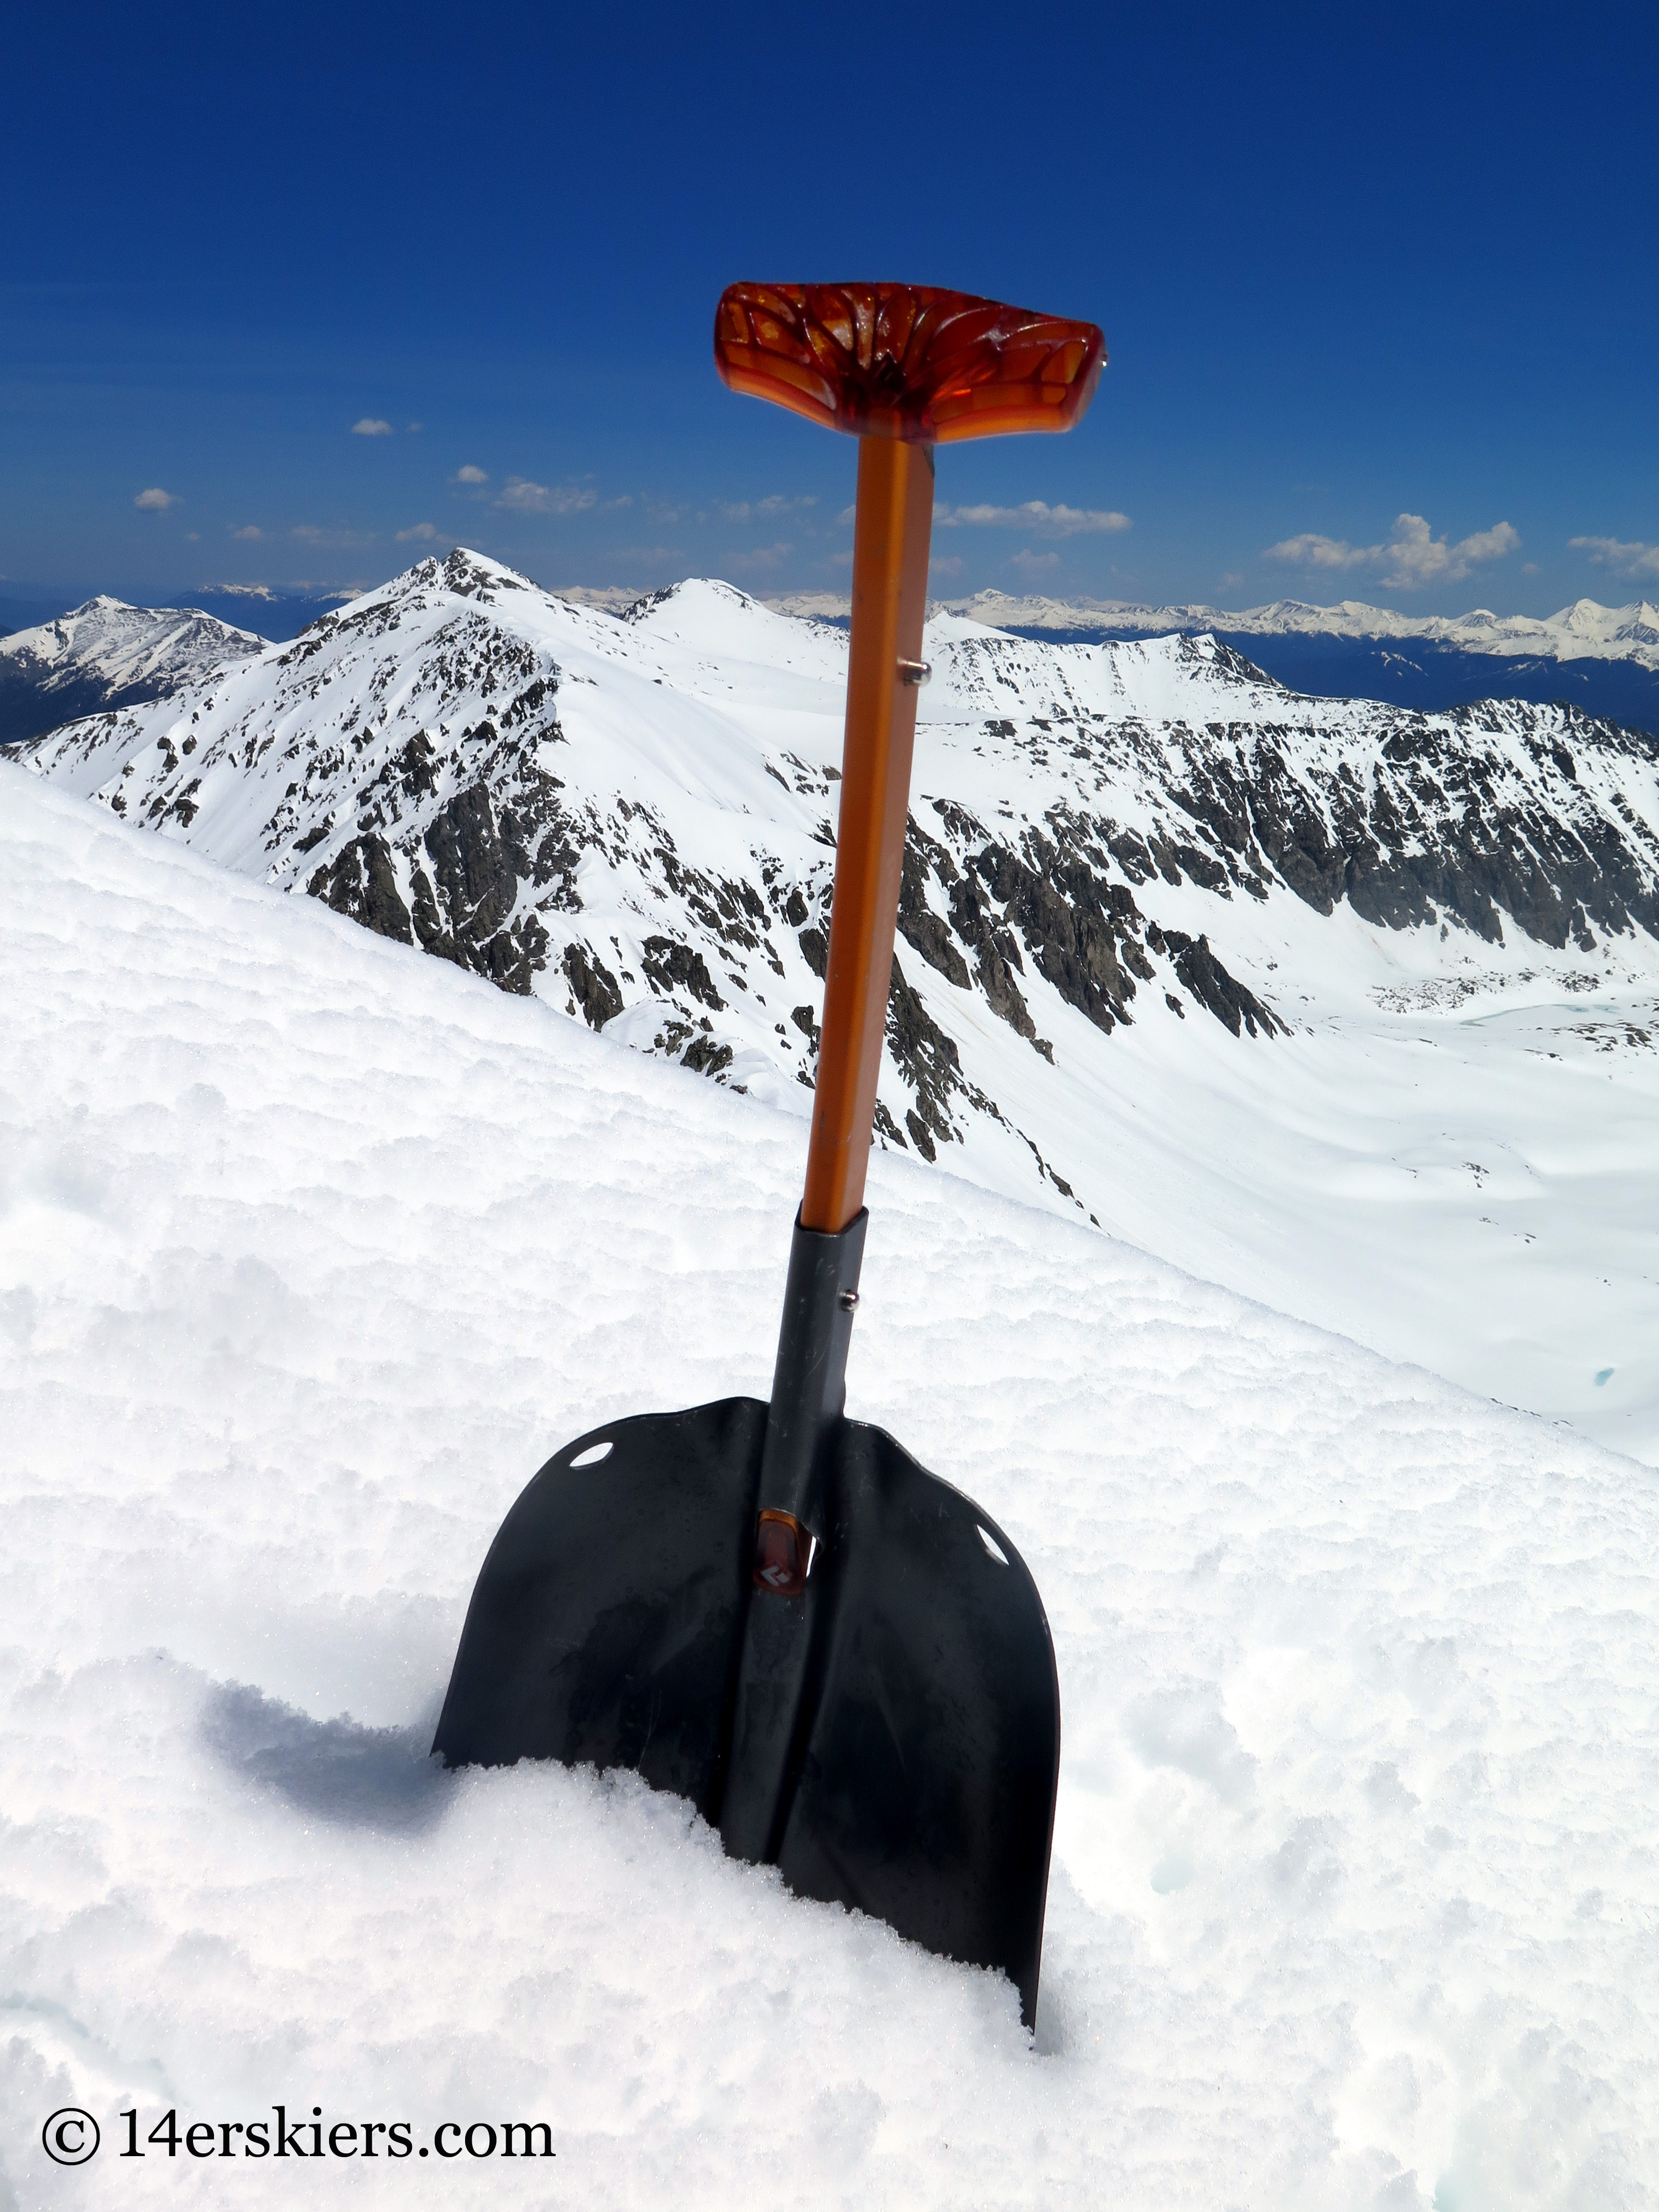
[
  {"x": 1450, "y": 1157},
  {"x": 124, "y": 645},
  {"x": 313, "y": 1249},
  {"x": 1584, "y": 630}
]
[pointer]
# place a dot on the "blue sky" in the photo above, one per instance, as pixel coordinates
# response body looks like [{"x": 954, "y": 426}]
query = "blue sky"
[{"x": 1377, "y": 288}]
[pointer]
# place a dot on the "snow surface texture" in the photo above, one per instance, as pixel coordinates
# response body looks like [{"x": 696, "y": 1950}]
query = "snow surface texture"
[
  {"x": 1120, "y": 855},
  {"x": 314, "y": 1248},
  {"x": 107, "y": 654}
]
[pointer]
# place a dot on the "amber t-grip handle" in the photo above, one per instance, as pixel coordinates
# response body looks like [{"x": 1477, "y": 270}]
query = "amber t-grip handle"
[{"x": 903, "y": 367}]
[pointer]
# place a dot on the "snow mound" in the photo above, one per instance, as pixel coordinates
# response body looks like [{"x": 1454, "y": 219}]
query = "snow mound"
[{"x": 313, "y": 1249}]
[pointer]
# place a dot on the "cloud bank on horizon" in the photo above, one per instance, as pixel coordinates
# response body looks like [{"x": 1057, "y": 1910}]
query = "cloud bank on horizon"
[
  {"x": 1038, "y": 535},
  {"x": 1412, "y": 557},
  {"x": 1633, "y": 560},
  {"x": 1035, "y": 515}
]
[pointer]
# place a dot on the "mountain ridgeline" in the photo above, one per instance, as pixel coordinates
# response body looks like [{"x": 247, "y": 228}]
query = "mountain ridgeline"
[
  {"x": 633, "y": 817},
  {"x": 107, "y": 654}
]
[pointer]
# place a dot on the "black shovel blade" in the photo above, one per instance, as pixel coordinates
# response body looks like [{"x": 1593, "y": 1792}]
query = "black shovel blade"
[{"x": 607, "y": 1625}]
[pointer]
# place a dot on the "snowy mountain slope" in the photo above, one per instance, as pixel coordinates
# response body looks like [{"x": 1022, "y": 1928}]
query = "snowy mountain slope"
[
  {"x": 1244, "y": 976},
  {"x": 106, "y": 654},
  {"x": 311, "y": 1250}
]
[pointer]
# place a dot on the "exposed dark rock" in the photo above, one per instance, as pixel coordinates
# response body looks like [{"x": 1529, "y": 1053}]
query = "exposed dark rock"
[
  {"x": 918, "y": 1129},
  {"x": 477, "y": 884},
  {"x": 707, "y": 1057},
  {"x": 927, "y": 1060},
  {"x": 1212, "y": 987},
  {"x": 1431, "y": 833},
  {"x": 1070, "y": 921},
  {"x": 415, "y": 763},
  {"x": 887, "y": 1127},
  {"x": 918, "y": 924},
  {"x": 593, "y": 986},
  {"x": 669, "y": 967},
  {"x": 362, "y": 883}
]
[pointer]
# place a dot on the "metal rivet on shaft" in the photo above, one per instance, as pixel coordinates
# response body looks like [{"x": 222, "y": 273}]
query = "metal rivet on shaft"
[
  {"x": 914, "y": 673},
  {"x": 848, "y": 1300}
]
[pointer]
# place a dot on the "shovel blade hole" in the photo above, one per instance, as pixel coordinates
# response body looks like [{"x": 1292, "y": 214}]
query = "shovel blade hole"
[
  {"x": 993, "y": 1546},
  {"x": 595, "y": 1453}
]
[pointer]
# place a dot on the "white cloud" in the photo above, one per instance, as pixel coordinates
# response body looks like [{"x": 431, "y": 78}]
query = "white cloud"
[
  {"x": 845, "y": 518},
  {"x": 155, "y": 500},
  {"x": 414, "y": 428},
  {"x": 248, "y": 534},
  {"x": 1413, "y": 557},
  {"x": 764, "y": 557},
  {"x": 763, "y": 510},
  {"x": 523, "y": 497},
  {"x": 1036, "y": 516},
  {"x": 469, "y": 475},
  {"x": 1311, "y": 551},
  {"x": 418, "y": 533},
  {"x": 308, "y": 533},
  {"x": 1229, "y": 582},
  {"x": 1033, "y": 565},
  {"x": 1626, "y": 558},
  {"x": 950, "y": 566},
  {"x": 371, "y": 427}
]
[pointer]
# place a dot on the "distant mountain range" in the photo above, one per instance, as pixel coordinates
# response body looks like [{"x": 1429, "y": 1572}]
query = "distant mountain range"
[
  {"x": 1584, "y": 630},
  {"x": 104, "y": 655},
  {"x": 278, "y": 615},
  {"x": 1602, "y": 659}
]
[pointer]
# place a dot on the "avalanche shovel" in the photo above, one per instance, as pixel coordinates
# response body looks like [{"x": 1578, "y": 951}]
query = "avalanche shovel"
[{"x": 769, "y": 1609}]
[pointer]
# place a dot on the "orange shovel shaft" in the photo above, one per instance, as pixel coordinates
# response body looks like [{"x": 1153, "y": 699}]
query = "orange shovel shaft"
[{"x": 890, "y": 537}]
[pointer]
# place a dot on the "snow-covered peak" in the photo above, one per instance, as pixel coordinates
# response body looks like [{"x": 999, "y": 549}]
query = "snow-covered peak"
[
  {"x": 122, "y": 644},
  {"x": 106, "y": 654}
]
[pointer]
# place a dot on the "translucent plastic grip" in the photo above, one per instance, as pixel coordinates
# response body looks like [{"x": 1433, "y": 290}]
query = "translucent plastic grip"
[{"x": 910, "y": 362}]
